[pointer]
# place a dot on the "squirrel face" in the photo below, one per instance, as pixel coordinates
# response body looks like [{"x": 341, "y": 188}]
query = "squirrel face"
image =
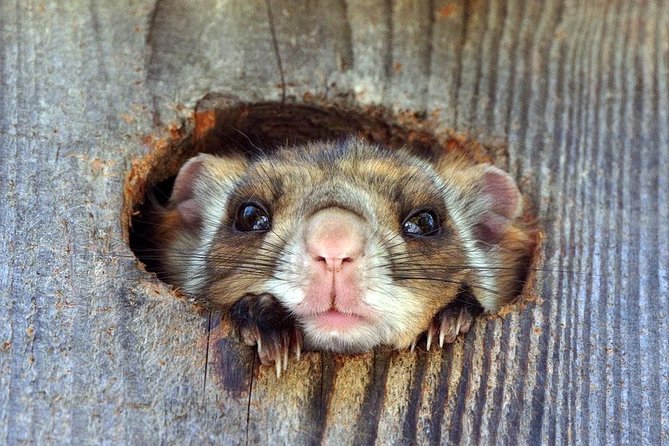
[{"x": 358, "y": 245}]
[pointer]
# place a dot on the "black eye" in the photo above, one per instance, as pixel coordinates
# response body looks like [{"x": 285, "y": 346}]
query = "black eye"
[
  {"x": 251, "y": 217},
  {"x": 423, "y": 223}
]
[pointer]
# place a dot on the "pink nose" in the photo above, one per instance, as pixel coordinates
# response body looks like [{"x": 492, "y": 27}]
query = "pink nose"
[{"x": 334, "y": 239}]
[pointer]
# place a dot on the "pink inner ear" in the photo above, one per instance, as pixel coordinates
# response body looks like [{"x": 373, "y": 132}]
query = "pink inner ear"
[
  {"x": 184, "y": 190},
  {"x": 184, "y": 184},
  {"x": 505, "y": 205},
  {"x": 502, "y": 190},
  {"x": 190, "y": 212}
]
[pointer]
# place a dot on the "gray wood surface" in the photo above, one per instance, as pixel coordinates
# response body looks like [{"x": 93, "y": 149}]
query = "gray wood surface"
[{"x": 93, "y": 350}]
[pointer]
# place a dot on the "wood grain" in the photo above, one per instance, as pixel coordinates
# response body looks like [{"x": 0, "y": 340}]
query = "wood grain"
[{"x": 93, "y": 350}]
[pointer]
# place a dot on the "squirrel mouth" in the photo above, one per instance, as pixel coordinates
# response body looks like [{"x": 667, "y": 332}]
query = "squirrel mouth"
[{"x": 333, "y": 320}]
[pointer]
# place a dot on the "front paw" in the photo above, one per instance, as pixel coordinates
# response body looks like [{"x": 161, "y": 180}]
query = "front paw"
[
  {"x": 260, "y": 320},
  {"x": 454, "y": 319}
]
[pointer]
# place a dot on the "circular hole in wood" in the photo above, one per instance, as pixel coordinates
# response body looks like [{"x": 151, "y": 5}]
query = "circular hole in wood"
[{"x": 222, "y": 124}]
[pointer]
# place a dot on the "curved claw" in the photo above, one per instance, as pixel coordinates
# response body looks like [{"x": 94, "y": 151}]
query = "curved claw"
[
  {"x": 442, "y": 332},
  {"x": 279, "y": 350},
  {"x": 448, "y": 324},
  {"x": 279, "y": 332},
  {"x": 277, "y": 357},
  {"x": 431, "y": 331}
]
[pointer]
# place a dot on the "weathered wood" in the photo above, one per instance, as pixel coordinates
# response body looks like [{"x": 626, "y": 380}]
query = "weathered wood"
[{"x": 93, "y": 350}]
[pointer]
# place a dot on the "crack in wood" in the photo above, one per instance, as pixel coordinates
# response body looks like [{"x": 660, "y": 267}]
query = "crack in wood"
[
  {"x": 206, "y": 351},
  {"x": 277, "y": 53}
]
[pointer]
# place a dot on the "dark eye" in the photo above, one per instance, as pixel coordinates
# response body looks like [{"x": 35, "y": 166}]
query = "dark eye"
[
  {"x": 422, "y": 223},
  {"x": 251, "y": 217}
]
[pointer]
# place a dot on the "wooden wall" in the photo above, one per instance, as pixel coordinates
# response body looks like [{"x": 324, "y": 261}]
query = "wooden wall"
[{"x": 93, "y": 350}]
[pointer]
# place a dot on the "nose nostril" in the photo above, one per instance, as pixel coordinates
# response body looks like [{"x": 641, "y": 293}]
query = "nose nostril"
[{"x": 333, "y": 263}]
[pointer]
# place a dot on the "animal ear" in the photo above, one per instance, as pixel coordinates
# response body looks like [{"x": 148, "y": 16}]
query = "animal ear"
[
  {"x": 501, "y": 203},
  {"x": 197, "y": 180},
  {"x": 183, "y": 197},
  {"x": 184, "y": 183}
]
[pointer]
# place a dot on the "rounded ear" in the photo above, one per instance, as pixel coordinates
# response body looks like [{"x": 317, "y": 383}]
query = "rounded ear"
[
  {"x": 184, "y": 183},
  {"x": 503, "y": 203},
  {"x": 200, "y": 178},
  {"x": 183, "y": 197}
]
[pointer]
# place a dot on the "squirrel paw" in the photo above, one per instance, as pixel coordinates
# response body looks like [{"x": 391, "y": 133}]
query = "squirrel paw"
[{"x": 261, "y": 321}]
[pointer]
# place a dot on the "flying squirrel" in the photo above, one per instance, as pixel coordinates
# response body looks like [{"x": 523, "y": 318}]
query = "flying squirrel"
[{"x": 344, "y": 246}]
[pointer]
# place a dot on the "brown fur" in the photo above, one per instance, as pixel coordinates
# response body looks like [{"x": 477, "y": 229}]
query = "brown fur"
[{"x": 381, "y": 186}]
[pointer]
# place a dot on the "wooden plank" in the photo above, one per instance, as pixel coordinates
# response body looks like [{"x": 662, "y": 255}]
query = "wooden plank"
[{"x": 93, "y": 350}]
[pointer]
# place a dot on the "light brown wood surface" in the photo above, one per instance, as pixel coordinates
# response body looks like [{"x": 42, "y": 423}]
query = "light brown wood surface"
[{"x": 95, "y": 351}]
